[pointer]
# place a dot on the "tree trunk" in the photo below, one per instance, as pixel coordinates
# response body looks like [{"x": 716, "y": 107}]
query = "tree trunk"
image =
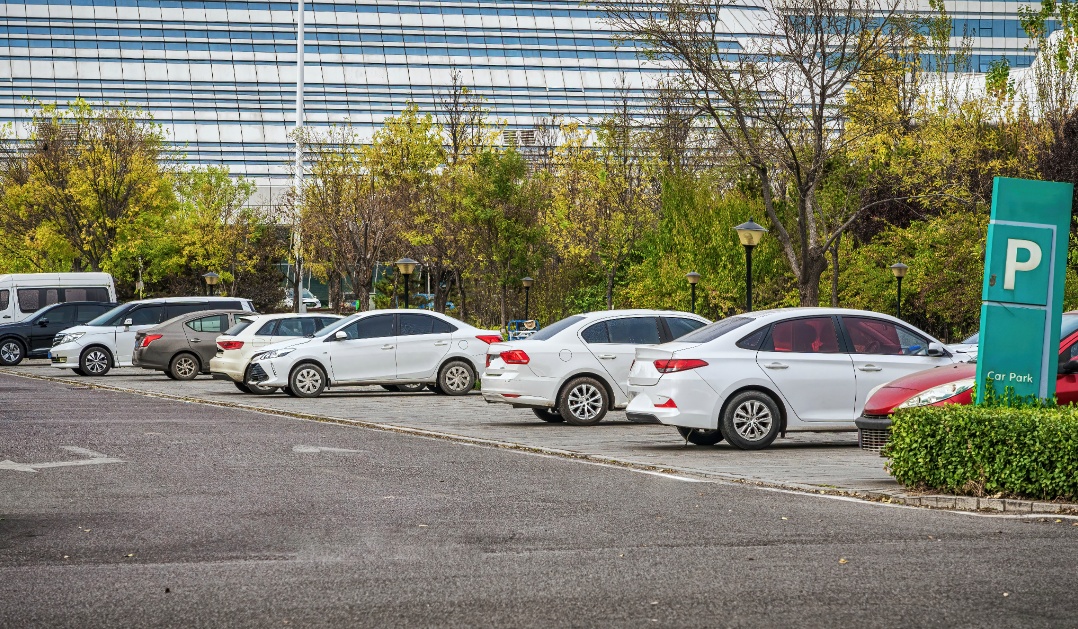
[
  {"x": 463, "y": 300},
  {"x": 501, "y": 300},
  {"x": 808, "y": 283},
  {"x": 834, "y": 272},
  {"x": 610, "y": 289}
]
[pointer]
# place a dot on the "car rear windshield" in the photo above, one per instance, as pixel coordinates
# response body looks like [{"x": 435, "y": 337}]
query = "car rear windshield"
[
  {"x": 241, "y": 325},
  {"x": 554, "y": 328},
  {"x": 715, "y": 330},
  {"x": 112, "y": 317}
]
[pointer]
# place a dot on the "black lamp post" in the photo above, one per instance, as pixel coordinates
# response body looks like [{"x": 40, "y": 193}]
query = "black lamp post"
[
  {"x": 899, "y": 270},
  {"x": 406, "y": 266},
  {"x": 211, "y": 281},
  {"x": 694, "y": 279},
  {"x": 527, "y": 282},
  {"x": 750, "y": 235}
]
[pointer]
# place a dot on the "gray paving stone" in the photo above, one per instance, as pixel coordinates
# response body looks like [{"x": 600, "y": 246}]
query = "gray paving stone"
[
  {"x": 1017, "y": 506},
  {"x": 990, "y": 504},
  {"x": 1046, "y": 507},
  {"x": 966, "y": 503}
]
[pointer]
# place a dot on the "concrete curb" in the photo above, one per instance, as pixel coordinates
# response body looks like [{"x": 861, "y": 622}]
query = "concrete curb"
[{"x": 1001, "y": 506}]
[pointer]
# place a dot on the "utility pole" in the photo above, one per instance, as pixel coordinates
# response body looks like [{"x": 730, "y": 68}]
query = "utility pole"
[{"x": 297, "y": 237}]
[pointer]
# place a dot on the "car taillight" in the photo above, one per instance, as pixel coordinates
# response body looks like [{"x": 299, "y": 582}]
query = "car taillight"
[
  {"x": 488, "y": 360},
  {"x": 671, "y": 365},
  {"x": 149, "y": 338},
  {"x": 489, "y": 338},
  {"x": 515, "y": 357},
  {"x": 669, "y": 403},
  {"x": 230, "y": 344}
]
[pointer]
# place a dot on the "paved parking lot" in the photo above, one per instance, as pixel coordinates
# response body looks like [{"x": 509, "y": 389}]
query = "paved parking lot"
[{"x": 828, "y": 461}]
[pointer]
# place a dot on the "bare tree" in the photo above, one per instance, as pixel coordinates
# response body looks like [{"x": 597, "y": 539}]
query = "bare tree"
[{"x": 776, "y": 98}]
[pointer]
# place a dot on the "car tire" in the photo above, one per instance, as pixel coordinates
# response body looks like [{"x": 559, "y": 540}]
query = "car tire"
[
  {"x": 411, "y": 387},
  {"x": 548, "y": 415},
  {"x": 751, "y": 420},
  {"x": 583, "y": 402},
  {"x": 435, "y": 389},
  {"x": 242, "y": 387},
  {"x": 390, "y": 387},
  {"x": 95, "y": 361},
  {"x": 289, "y": 392},
  {"x": 78, "y": 371},
  {"x": 12, "y": 351},
  {"x": 456, "y": 377},
  {"x": 184, "y": 366},
  {"x": 307, "y": 380},
  {"x": 700, "y": 436}
]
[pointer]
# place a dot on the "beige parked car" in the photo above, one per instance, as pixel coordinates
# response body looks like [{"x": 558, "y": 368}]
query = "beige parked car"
[{"x": 250, "y": 334}]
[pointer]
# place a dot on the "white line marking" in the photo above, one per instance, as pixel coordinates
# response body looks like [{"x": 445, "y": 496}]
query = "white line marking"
[
  {"x": 96, "y": 458},
  {"x": 317, "y": 449}
]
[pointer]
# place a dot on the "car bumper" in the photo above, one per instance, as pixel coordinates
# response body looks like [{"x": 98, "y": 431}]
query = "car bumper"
[
  {"x": 873, "y": 432},
  {"x": 65, "y": 356},
  {"x": 145, "y": 360},
  {"x": 270, "y": 373},
  {"x": 696, "y": 402},
  {"x": 228, "y": 367},
  {"x": 519, "y": 389}
]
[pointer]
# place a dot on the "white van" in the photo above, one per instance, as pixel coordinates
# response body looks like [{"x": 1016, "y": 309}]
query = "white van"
[
  {"x": 23, "y": 294},
  {"x": 108, "y": 341}
]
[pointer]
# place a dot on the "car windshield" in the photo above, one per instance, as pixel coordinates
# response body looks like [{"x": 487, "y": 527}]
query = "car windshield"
[
  {"x": 333, "y": 326},
  {"x": 715, "y": 330},
  {"x": 112, "y": 317},
  {"x": 554, "y": 328},
  {"x": 1068, "y": 326}
]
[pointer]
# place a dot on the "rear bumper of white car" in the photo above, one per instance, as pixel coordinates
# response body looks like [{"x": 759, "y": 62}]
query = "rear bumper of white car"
[
  {"x": 677, "y": 399},
  {"x": 231, "y": 365},
  {"x": 519, "y": 389}
]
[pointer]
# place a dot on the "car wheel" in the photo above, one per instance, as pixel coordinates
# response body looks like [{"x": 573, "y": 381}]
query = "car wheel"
[
  {"x": 548, "y": 415},
  {"x": 583, "y": 402},
  {"x": 11, "y": 352},
  {"x": 751, "y": 421},
  {"x": 95, "y": 361},
  {"x": 436, "y": 389},
  {"x": 78, "y": 371},
  {"x": 307, "y": 380},
  {"x": 242, "y": 387},
  {"x": 289, "y": 392},
  {"x": 414, "y": 387},
  {"x": 700, "y": 436},
  {"x": 183, "y": 366},
  {"x": 456, "y": 378},
  {"x": 390, "y": 387}
]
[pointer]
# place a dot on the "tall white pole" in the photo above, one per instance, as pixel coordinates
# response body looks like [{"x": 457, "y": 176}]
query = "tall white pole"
[{"x": 298, "y": 178}]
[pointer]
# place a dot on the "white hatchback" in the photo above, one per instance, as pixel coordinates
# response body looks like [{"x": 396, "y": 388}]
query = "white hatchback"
[
  {"x": 252, "y": 334},
  {"x": 380, "y": 347},
  {"x": 754, "y": 376},
  {"x": 576, "y": 369}
]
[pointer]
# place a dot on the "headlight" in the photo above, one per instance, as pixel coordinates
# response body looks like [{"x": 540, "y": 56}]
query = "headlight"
[
  {"x": 277, "y": 353},
  {"x": 938, "y": 394},
  {"x": 71, "y": 338}
]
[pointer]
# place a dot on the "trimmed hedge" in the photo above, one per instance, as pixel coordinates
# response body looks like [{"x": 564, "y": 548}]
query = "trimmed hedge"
[{"x": 985, "y": 450}]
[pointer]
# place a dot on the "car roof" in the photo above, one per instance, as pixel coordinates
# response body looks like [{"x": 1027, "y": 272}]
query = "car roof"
[
  {"x": 169, "y": 300},
  {"x": 286, "y": 315}
]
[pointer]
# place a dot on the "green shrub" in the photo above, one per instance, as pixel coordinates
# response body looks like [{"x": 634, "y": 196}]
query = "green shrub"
[{"x": 1027, "y": 452}]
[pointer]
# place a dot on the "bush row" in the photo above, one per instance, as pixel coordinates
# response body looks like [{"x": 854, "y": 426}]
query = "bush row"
[{"x": 984, "y": 450}]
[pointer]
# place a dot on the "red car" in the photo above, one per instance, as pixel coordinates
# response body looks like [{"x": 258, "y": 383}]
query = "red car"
[{"x": 953, "y": 384}]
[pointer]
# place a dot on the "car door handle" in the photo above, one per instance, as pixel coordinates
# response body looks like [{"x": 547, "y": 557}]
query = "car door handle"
[
  {"x": 608, "y": 356},
  {"x": 777, "y": 366},
  {"x": 388, "y": 346},
  {"x": 196, "y": 340},
  {"x": 870, "y": 368},
  {"x": 441, "y": 343}
]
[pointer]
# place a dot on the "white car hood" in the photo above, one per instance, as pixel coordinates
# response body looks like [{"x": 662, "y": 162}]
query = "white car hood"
[{"x": 88, "y": 330}]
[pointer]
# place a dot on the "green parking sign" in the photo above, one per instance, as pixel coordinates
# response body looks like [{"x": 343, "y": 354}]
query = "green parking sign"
[{"x": 1022, "y": 294}]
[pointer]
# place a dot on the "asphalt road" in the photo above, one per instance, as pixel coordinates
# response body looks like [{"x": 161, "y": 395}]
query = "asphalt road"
[{"x": 217, "y": 517}]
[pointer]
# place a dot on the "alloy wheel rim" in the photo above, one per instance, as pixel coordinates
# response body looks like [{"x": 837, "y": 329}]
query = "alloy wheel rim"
[
  {"x": 185, "y": 367},
  {"x": 308, "y": 381},
  {"x": 96, "y": 361},
  {"x": 10, "y": 351},
  {"x": 456, "y": 378},
  {"x": 753, "y": 420},
  {"x": 585, "y": 401}
]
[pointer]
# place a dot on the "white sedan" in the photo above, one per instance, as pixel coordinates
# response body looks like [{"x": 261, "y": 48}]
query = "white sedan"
[
  {"x": 754, "y": 376},
  {"x": 576, "y": 369},
  {"x": 252, "y": 334},
  {"x": 380, "y": 347}
]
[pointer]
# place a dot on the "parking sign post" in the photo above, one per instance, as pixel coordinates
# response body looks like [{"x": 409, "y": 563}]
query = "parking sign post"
[{"x": 1022, "y": 293}]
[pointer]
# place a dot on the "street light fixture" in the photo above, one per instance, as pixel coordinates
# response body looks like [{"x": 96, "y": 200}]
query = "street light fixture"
[
  {"x": 406, "y": 266},
  {"x": 694, "y": 279},
  {"x": 899, "y": 271},
  {"x": 750, "y": 235},
  {"x": 527, "y": 282},
  {"x": 211, "y": 279}
]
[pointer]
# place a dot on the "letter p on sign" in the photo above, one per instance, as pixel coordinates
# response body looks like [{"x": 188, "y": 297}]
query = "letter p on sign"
[{"x": 1014, "y": 245}]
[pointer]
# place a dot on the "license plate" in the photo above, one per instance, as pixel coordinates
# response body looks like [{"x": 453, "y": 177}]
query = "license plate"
[{"x": 59, "y": 359}]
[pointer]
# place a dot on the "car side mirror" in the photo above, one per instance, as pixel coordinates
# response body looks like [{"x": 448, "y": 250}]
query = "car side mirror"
[
  {"x": 128, "y": 323},
  {"x": 1071, "y": 366},
  {"x": 937, "y": 350},
  {"x": 43, "y": 322},
  {"x": 340, "y": 335}
]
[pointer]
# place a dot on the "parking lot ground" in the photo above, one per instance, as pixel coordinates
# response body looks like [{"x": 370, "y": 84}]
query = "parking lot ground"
[
  {"x": 814, "y": 461},
  {"x": 205, "y": 516}
]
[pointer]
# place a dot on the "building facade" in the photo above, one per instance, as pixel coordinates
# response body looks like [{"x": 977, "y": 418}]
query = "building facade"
[{"x": 220, "y": 76}]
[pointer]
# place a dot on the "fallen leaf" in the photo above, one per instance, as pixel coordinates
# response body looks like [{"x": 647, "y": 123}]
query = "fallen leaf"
[
  {"x": 842, "y": 560},
  {"x": 785, "y": 518},
  {"x": 1058, "y": 521},
  {"x": 131, "y": 554},
  {"x": 66, "y": 557},
  {"x": 1006, "y": 594}
]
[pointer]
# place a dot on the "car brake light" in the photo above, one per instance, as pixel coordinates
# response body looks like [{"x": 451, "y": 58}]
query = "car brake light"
[
  {"x": 149, "y": 338},
  {"x": 669, "y": 403},
  {"x": 230, "y": 344},
  {"x": 489, "y": 338},
  {"x": 515, "y": 357},
  {"x": 671, "y": 365},
  {"x": 488, "y": 360}
]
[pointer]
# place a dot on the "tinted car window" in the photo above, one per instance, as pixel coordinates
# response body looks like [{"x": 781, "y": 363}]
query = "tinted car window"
[
  {"x": 86, "y": 294},
  {"x": 596, "y": 333},
  {"x": 634, "y": 330},
  {"x": 5, "y": 299},
  {"x": 413, "y": 324},
  {"x": 811, "y": 335},
  {"x": 267, "y": 328},
  {"x": 147, "y": 315},
  {"x": 680, "y": 326},
  {"x": 297, "y": 327},
  {"x": 715, "y": 330},
  {"x": 60, "y": 314},
  {"x": 324, "y": 321},
  {"x": 241, "y": 325},
  {"x": 377, "y": 326},
  {"x": 215, "y": 323},
  {"x": 89, "y": 311},
  {"x": 34, "y": 299},
  {"x": 554, "y": 328},
  {"x": 877, "y": 336},
  {"x": 443, "y": 327},
  {"x": 754, "y": 340}
]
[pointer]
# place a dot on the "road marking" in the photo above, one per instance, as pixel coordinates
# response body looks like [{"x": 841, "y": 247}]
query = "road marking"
[
  {"x": 317, "y": 449},
  {"x": 95, "y": 458}
]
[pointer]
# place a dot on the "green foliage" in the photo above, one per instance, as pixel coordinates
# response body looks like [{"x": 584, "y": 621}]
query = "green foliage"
[{"x": 1025, "y": 452}]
